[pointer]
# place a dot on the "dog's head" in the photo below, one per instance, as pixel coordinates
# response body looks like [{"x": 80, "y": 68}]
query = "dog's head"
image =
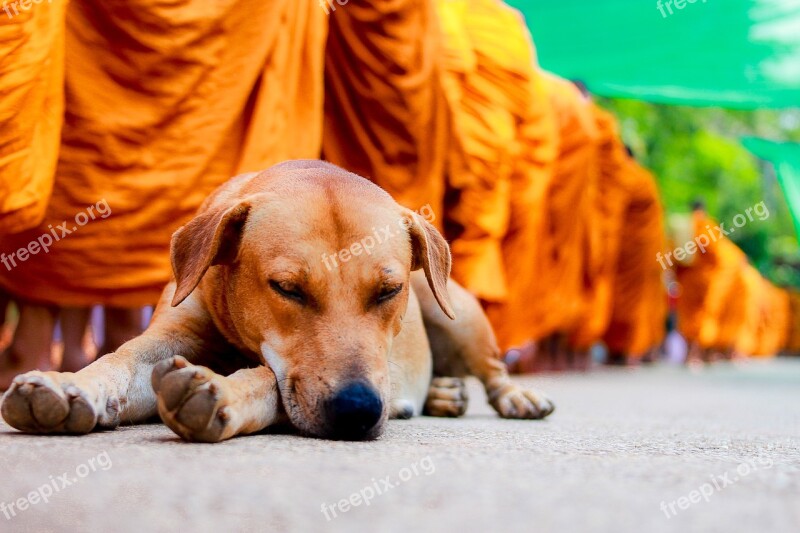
[{"x": 310, "y": 265}]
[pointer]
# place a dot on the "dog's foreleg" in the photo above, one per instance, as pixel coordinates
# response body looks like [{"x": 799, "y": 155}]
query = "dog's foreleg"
[
  {"x": 115, "y": 388},
  {"x": 201, "y": 405}
]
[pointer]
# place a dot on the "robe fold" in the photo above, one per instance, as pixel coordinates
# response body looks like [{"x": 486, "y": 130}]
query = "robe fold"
[
  {"x": 31, "y": 111},
  {"x": 164, "y": 102},
  {"x": 385, "y": 112},
  {"x": 489, "y": 69},
  {"x": 607, "y": 212},
  {"x": 569, "y": 250},
  {"x": 638, "y": 318}
]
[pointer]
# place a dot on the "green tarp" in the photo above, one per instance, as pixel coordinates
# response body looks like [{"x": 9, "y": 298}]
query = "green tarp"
[
  {"x": 785, "y": 157},
  {"x": 730, "y": 53}
]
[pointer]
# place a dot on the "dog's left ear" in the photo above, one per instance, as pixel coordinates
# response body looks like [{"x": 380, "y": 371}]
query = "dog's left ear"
[
  {"x": 431, "y": 253},
  {"x": 211, "y": 238}
]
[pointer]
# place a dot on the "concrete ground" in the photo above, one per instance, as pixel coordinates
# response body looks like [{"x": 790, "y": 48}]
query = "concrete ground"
[{"x": 719, "y": 447}]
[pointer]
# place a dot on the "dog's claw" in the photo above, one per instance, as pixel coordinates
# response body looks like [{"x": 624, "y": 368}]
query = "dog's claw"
[
  {"x": 446, "y": 397},
  {"x": 193, "y": 401}
]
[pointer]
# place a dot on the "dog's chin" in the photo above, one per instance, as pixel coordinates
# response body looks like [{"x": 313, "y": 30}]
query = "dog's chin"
[
  {"x": 322, "y": 430},
  {"x": 334, "y": 433}
]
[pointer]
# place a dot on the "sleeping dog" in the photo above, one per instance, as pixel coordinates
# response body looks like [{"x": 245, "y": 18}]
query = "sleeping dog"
[{"x": 262, "y": 325}]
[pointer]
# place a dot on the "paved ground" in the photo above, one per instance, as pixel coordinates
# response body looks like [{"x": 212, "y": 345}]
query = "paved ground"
[{"x": 620, "y": 443}]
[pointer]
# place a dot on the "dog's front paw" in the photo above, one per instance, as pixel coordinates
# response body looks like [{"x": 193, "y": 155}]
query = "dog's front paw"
[
  {"x": 58, "y": 402},
  {"x": 446, "y": 397},
  {"x": 512, "y": 401},
  {"x": 195, "y": 402}
]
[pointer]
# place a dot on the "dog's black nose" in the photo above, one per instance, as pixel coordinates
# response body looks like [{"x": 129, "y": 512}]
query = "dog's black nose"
[{"x": 354, "y": 410}]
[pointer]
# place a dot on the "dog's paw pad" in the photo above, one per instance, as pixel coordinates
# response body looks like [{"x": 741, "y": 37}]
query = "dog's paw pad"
[
  {"x": 50, "y": 402},
  {"x": 446, "y": 397},
  {"x": 192, "y": 401},
  {"x": 511, "y": 401}
]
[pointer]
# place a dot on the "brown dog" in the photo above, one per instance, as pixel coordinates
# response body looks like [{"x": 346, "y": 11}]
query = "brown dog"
[{"x": 258, "y": 327}]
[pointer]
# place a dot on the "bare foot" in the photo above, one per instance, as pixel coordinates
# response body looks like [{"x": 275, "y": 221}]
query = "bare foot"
[
  {"x": 31, "y": 347},
  {"x": 522, "y": 360},
  {"x": 580, "y": 360},
  {"x": 122, "y": 324},
  {"x": 74, "y": 322}
]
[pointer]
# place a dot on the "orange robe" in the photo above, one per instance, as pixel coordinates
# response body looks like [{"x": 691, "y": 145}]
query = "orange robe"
[
  {"x": 488, "y": 77},
  {"x": 31, "y": 111},
  {"x": 775, "y": 312},
  {"x": 727, "y": 304},
  {"x": 615, "y": 183},
  {"x": 385, "y": 112},
  {"x": 793, "y": 323},
  {"x": 518, "y": 319},
  {"x": 746, "y": 299},
  {"x": 729, "y": 260},
  {"x": 165, "y": 101},
  {"x": 637, "y": 322},
  {"x": 707, "y": 285},
  {"x": 570, "y": 248}
]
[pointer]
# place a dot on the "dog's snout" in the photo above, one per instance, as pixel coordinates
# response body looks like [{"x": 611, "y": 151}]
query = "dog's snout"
[{"x": 354, "y": 410}]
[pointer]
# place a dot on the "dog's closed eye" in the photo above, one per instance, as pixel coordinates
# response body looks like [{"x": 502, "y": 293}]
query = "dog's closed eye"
[
  {"x": 288, "y": 291},
  {"x": 386, "y": 293}
]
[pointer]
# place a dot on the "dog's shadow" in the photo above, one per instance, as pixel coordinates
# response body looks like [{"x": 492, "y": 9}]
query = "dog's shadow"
[{"x": 171, "y": 438}]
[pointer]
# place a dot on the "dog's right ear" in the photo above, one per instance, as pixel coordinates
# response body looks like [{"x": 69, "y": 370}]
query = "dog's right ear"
[
  {"x": 432, "y": 254},
  {"x": 211, "y": 238}
]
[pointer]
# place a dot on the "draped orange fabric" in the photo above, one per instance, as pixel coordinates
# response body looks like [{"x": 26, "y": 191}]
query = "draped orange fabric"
[
  {"x": 164, "y": 102},
  {"x": 793, "y": 323},
  {"x": 569, "y": 248},
  {"x": 729, "y": 260},
  {"x": 726, "y": 304},
  {"x": 518, "y": 318},
  {"x": 774, "y": 314},
  {"x": 501, "y": 160},
  {"x": 745, "y": 299},
  {"x": 489, "y": 71},
  {"x": 639, "y": 311},
  {"x": 706, "y": 283},
  {"x": 385, "y": 112},
  {"x": 614, "y": 185},
  {"x": 31, "y": 110}
]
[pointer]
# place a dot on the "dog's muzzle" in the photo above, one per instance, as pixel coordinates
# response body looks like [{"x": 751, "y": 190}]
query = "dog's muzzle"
[{"x": 354, "y": 411}]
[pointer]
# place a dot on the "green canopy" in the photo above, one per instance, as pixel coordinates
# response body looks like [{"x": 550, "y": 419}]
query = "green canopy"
[
  {"x": 785, "y": 157},
  {"x": 731, "y": 53}
]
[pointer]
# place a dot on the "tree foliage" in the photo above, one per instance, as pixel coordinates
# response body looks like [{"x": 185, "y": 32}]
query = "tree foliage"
[{"x": 695, "y": 154}]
